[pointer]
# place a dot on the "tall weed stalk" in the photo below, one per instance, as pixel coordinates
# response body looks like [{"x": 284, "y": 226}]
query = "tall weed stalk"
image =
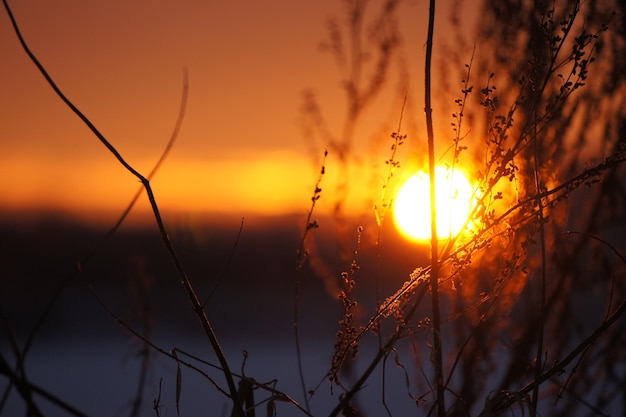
[
  {"x": 434, "y": 237},
  {"x": 499, "y": 291}
]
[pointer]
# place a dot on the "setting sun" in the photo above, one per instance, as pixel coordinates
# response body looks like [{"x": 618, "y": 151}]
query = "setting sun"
[{"x": 412, "y": 204}]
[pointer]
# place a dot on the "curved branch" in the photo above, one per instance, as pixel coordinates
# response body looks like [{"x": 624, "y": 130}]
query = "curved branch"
[{"x": 186, "y": 283}]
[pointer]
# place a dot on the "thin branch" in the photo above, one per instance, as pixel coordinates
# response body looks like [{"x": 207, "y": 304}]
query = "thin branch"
[
  {"x": 184, "y": 279},
  {"x": 560, "y": 366},
  {"x": 166, "y": 151},
  {"x": 263, "y": 386},
  {"x": 27, "y": 388},
  {"x": 381, "y": 354},
  {"x": 222, "y": 277},
  {"x": 113, "y": 230},
  {"x": 542, "y": 295},
  {"x": 434, "y": 251},
  {"x": 604, "y": 242},
  {"x": 21, "y": 354},
  {"x": 301, "y": 258}
]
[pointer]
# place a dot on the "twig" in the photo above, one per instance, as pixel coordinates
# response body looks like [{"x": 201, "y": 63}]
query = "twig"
[
  {"x": 276, "y": 393},
  {"x": 19, "y": 355},
  {"x": 560, "y": 366},
  {"x": 381, "y": 354},
  {"x": 542, "y": 295},
  {"x": 434, "y": 251},
  {"x": 301, "y": 258},
  {"x": 59, "y": 290},
  {"x": 227, "y": 267},
  {"x": 27, "y": 388},
  {"x": 166, "y": 151},
  {"x": 184, "y": 279},
  {"x": 148, "y": 342}
]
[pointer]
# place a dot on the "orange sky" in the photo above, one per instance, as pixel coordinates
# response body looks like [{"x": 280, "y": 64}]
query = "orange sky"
[{"x": 240, "y": 149}]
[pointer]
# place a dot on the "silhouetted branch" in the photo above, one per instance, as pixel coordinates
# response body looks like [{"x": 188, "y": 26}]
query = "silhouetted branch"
[
  {"x": 560, "y": 366},
  {"x": 302, "y": 256},
  {"x": 434, "y": 238},
  {"x": 191, "y": 294},
  {"x": 26, "y": 389}
]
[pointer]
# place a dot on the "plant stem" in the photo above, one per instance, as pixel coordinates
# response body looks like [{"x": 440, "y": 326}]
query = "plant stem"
[
  {"x": 302, "y": 256},
  {"x": 561, "y": 365},
  {"x": 192, "y": 296},
  {"x": 382, "y": 353},
  {"x": 542, "y": 306},
  {"x": 434, "y": 253}
]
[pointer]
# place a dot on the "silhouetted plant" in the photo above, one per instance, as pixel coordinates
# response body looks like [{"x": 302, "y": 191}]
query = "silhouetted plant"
[{"x": 500, "y": 329}]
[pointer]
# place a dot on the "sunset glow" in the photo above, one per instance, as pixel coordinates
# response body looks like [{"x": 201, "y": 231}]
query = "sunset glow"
[
  {"x": 453, "y": 205},
  {"x": 257, "y": 183}
]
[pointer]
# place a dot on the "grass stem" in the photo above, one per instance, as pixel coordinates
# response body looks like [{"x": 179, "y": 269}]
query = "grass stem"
[{"x": 434, "y": 254}]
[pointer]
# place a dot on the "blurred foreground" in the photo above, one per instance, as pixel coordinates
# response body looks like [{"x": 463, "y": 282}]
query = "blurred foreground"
[{"x": 80, "y": 354}]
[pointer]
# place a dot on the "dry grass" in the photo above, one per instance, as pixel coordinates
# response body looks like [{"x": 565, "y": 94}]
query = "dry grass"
[{"x": 500, "y": 332}]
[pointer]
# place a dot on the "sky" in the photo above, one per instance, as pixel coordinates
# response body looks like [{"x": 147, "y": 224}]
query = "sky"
[{"x": 241, "y": 148}]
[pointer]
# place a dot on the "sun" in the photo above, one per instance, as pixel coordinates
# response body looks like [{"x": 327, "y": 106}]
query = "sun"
[{"x": 453, "y": 194}]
